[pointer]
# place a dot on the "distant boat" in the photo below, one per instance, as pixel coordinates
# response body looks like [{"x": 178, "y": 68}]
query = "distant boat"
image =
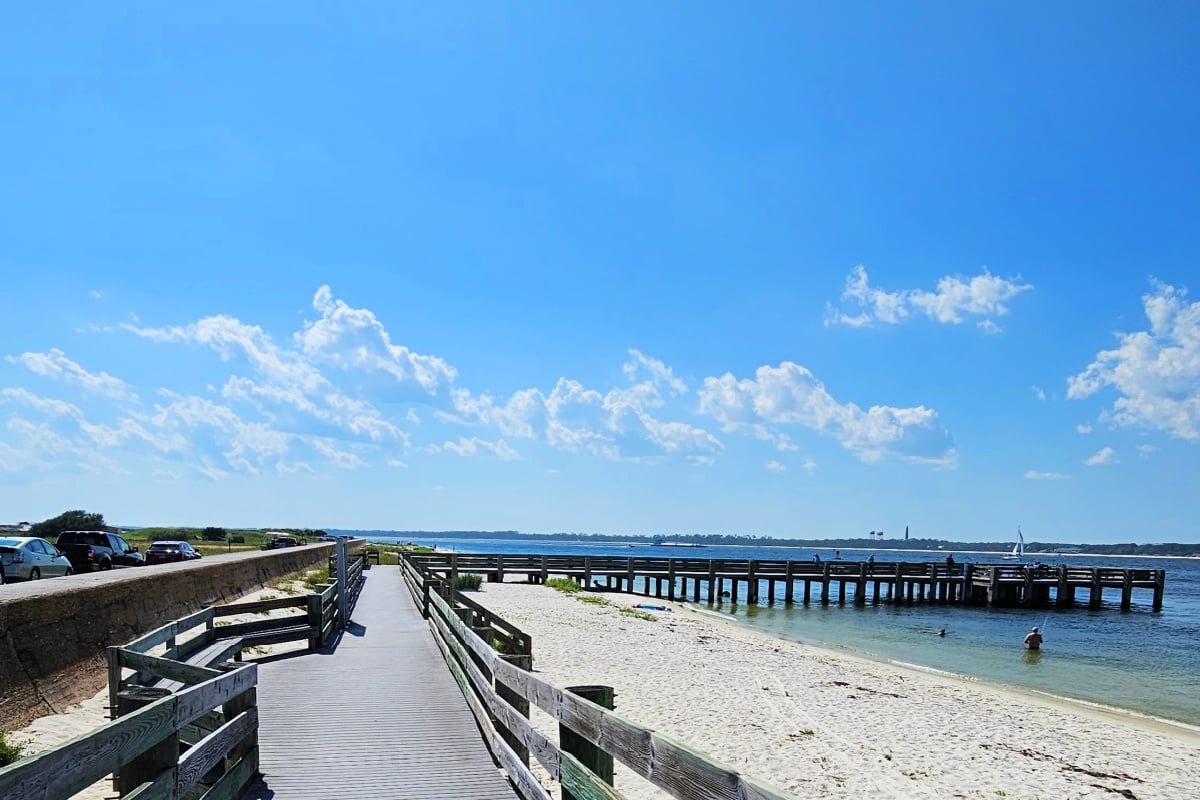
[
  {"x": 1018, "y": 551},
  {"x": 657, "y": 541}
]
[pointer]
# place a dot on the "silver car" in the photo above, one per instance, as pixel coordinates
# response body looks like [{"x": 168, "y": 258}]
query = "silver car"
[{"x": 28, "y": 558}]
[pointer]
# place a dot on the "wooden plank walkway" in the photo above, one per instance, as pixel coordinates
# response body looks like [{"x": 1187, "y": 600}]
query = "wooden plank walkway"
[{"x": 380, "y": 716}]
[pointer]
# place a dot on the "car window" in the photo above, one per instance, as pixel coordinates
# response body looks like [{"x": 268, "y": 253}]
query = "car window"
[
  {"x": 38, "y": 546},
  {"x": 122, "y": 545}
]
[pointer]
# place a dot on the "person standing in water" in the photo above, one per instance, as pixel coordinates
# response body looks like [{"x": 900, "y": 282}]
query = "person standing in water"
[{"x": 1033, "y": 639}]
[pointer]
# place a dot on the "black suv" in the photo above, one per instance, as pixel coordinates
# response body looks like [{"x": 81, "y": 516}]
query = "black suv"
[{"x": 89, "y": 550}]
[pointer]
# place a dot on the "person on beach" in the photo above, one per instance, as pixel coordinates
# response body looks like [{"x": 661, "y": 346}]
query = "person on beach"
[
  {"x": 942, "y": 632},
  {"x": 1033, "y": 639}
]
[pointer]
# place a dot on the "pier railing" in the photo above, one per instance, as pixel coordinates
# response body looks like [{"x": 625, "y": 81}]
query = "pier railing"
[
  {"x": 183, "y": 706},
  {"x": 859, "y": 582},
  {"x": 499, "y": 689}
]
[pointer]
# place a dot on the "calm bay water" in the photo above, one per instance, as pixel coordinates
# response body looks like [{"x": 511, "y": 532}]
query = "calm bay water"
[{"x": 1141, "y": 660}]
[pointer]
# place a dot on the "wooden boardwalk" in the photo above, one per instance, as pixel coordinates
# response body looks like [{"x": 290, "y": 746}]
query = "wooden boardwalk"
[{"x": 377, "y": 716}]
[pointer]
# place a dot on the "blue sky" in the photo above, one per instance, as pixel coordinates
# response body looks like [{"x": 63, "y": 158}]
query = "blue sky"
[{"x": 789, "y": 270}]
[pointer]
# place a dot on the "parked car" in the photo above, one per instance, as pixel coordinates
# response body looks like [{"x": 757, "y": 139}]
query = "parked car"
[
  {"x": 166, "y": 552},
  {"x": 28, "y": 558},
  {"x": 280, "y": 541},
  {"x": 89, "y": 550}
]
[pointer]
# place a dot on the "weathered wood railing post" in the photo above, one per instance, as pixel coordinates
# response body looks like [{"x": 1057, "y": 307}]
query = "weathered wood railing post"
[
  {"x": 343, "y": 588},
  {"x": 236, "y": 705},
  {"x": 161, "y": 756},
  {"x": 591, "y": 756},
  {"x": 518, "y": 702},
  {"x": 315, "y": 620}
]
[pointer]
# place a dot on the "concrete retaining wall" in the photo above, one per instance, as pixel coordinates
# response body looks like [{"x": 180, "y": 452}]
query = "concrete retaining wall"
[{"x": 53, "y": 633}]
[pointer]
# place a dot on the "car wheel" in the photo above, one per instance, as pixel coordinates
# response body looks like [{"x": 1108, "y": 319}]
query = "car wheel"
[
  {"x": 34, "y": 574},
  {"x": 69, "y": 571},
  {"x": 105, "y": 565}
]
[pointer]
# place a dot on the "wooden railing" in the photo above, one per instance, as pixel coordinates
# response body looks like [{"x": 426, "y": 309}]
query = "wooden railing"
[
  {"x": 185, "y": 710},
  {"x": 488, "y": 678}
]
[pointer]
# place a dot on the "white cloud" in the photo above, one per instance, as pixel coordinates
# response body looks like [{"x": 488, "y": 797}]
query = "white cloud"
[
  {"x": 659, "y": 372},
  {"x": 989, "y": 327},
  {"x": 1039, "y": 393},
  {"x": 1144, "y": 451},
  {"x": 1156, "y": 373},
  {"x": 810, "y": 466},
  {"x": 775, "y": 466},
  {"x": 1083, "y": 428},
  {"x": 55, "y": 364},
  {"x": 476, "y": 446},
  {"x": 354, "y": 339},
  {"x": 1034, "y": 475},
  {"x": 96, "y": 294},
  {"x": 1105, "y": 455},
  {"x": 955, "y": 298},
  {"x": 616, "y": 424},
  {"x": 790, "y": 395}
]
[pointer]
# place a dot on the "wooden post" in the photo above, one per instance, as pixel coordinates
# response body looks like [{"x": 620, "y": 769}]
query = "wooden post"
[
  {"x": 825, "y": 583},
  {"x": 313, "y": 602},
  {"x": 113, "y": 655},
  {"x": 518, "y": 702},
  {"x": 343, "y": 591},
  {"x": 752, "y": 582},
  {"x": 1097, "y": 590},
  {"x": 591, "y": 756},
  {"x": 236, "y": 705},
  {"x": 162, "y": 756},
  {"x": 714, "y": 587},
  {"x": 1160, "y": 580},
  {"x": 789, "y": 589},
  {"x": 1127, "y": 590}
]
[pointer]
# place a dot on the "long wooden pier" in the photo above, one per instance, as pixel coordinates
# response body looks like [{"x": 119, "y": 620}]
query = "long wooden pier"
[{"x": 857, "y": 582}]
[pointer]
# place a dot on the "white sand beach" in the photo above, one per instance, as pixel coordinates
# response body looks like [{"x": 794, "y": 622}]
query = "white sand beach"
[{"x": 820, "y": 723}]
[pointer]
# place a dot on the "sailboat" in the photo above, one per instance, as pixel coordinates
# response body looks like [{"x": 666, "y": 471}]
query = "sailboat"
[{"x": 1018, "y": 551}]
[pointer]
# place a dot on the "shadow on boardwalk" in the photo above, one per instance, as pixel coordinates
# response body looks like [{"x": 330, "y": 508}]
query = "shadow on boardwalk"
[{"x": 375, "y": 715}]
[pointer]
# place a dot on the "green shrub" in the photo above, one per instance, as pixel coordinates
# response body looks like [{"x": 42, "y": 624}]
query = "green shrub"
[
  {"x": 10, "y": 751},
  {"x": 633, "y": 612},
  {"x": 568, "y": 585},
  {"x": 593, "y": 600},
  {"x": 466, "y": 582},
  {"x": 314, "y": 577}
]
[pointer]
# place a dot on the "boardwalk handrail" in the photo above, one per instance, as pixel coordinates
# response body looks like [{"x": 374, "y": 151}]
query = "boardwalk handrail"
[
  {"x": 209, "y": 705},
  {"x": 481, "y": 672},
  {"x": 77, "y": 764}
]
